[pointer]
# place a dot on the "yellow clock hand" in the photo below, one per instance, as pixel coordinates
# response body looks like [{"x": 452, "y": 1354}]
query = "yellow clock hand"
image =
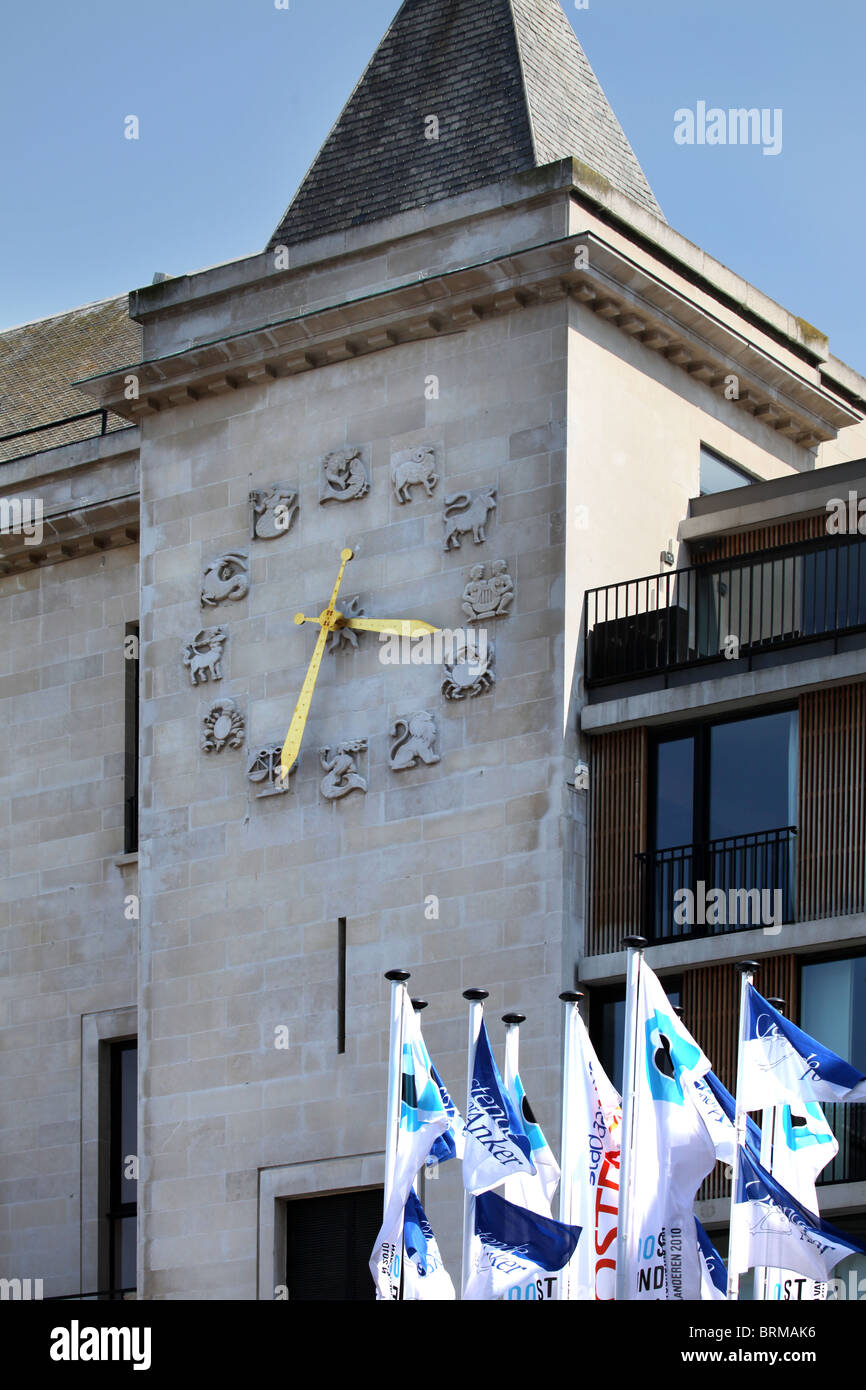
[
  {"x": 292, "y": 745},
  {"x": 327, "y": 619},
  {"x": 403, "y": 627}
]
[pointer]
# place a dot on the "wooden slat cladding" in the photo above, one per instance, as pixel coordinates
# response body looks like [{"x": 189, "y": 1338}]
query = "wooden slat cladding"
[
  {"x": 801, "y": 528},
  {"x": 831, "y": 873},
  {"x": 618, "y": 781},
  {"x": 711, "y": 1006}
]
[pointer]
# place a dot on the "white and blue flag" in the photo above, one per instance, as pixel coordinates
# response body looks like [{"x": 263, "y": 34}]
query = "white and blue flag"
[
  {"x": 719, "y": 1109},
  {"x": 535, "y": 1192},
  {"x": 515, "y": 1253},
  {"x": 714, "y": 1276},
  {"x": 423, "y": 1118},
  {"x": 449, "y": 1144},
  {"x": 424, "y": 1274},
  {"x": 782, "y": 1065},
  {"x": 777, "y": 1232},
  {"x": 496, "y": 1145},
  {"x": 672, "y": 1152}
]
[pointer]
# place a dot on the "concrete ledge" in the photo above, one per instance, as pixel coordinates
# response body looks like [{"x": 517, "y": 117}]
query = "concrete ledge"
[
  {"x": 675, "y": 956},
  {"x": 748, "y": 688}
]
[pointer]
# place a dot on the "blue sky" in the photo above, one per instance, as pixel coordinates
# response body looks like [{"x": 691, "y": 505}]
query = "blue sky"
[{"x": 234, "y": 97}]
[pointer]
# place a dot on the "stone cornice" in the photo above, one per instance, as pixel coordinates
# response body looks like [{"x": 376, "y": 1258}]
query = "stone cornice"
[{"x": 788, "y": 396}]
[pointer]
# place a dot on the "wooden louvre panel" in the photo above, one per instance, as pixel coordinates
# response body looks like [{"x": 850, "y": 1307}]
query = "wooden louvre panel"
[
  {"x": 711, "y": 1007},
  {"x": 618, "y": 832},
  {"x": 801, "y": 528},
  {"x": 831, "y": 872}
]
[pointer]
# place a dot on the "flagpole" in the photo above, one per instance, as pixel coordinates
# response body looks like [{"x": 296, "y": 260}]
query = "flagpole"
[
  {"x": 397, "y": 980},
  {"x": 635, "y": 946},
  {"x": 512, "y": 1045},
  {"x": 419, "y": 1005},
  {"x": 475, "y": 999},
  {"x": 747, "y": 970},
  {"x": 571, "y": 999},
  {"x": 769, "y": 1117}
]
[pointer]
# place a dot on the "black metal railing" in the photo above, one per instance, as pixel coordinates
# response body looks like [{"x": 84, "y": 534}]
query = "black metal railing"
[
  {"x": 38, "y": 447},
  {"x": 736, "y": 883},
  {"x": 100, "y": 1296},
  {"x": 727, "y": 609},
  {"x": 848, "y": 1123}
]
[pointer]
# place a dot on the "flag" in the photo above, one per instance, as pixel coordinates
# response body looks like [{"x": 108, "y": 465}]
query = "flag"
[
  {"x": 595, "y": 1120},
  {"x": 514, "y": 1252},
  {"x": 423, "y": 1118},
  {"x": 782, "y": 1065},
  {"x": 803, "y": 1145},
  {"x": 719, "y": 1109},
  {"x": 495, "y": 1143},
  {"x": 671, "y": 1154},
  {"x": 535, "y": 1192},
  {"x": 424, "y": 1274},
  {"x": 449, "y": 1144},
  {"x": 775, "y": 1231},
  {"x": 714, "y": 1276}
]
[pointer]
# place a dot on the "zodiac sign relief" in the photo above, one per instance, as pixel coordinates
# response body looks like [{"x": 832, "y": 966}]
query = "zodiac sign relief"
[
  {"x": 468, "y": 670},
  {"x": 263, "y": 770},
  {"x": 272, "y": 511},
  {"x": 226, "y": 577},
  {"x": 203, "y": 655},
  {"x": 414, "y": 737},
  {"x": 415, "y": 468},
  {"x": 465, "y": 512},
  {"x": 344, "y": 476},
  {"x": 341, "y": 773},
  {"x": 485, "y": 599},
  {"x": 223, "y": 724}
]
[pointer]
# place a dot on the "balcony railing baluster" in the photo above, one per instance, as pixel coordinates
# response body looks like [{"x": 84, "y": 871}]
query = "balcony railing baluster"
[{"x": 681, "y": 618}]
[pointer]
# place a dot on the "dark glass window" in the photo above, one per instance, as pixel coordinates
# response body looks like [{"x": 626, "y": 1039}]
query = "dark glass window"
[
  {"x": 329, "y": 1241},
  {"x": 833, "y": 1010},
  {"x": 130, "y": 749},
  {"x": 718, "y": 475},
  {"x": 123, "y": 1165},
  {"x": 723, "y": 801}
]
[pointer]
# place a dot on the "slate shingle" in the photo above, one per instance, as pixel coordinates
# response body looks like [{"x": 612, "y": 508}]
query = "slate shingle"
[
  {"x": 39, "y": 362},
  {"x": 512, "y": 90}
]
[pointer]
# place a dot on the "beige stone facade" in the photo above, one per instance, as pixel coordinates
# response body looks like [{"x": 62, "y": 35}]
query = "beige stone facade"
[{"x": 548, "y": 339}]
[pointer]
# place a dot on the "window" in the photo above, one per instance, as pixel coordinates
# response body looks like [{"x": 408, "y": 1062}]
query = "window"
[
  {"x": 718, "y": 475},
  {"x": 833, "y": 1010},
  {"x": 130, "y": 747},
  {"x": 328, "y": 1245},
  {"x": 723, "y": 802},
  {"x": 122, "y": 1182}
]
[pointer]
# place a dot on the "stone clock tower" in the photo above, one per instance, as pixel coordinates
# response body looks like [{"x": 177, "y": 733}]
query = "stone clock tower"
[{"x": 474, "y": 355}]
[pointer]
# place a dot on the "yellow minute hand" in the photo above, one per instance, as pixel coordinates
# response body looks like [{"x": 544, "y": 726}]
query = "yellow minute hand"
[
  {"x": 328, "y": 621},
  {"x": 402, "y": 627}
]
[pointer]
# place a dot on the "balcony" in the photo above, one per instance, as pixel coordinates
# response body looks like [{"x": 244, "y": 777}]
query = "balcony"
[
  {"x": 730, "y": 610},
  {"x": 737, "y": 883}
]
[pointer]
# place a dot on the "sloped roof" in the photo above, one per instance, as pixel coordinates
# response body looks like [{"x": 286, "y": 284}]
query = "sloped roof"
[
  {"x": 39, "y": 361},
  {"x": 512, "y": 90}
]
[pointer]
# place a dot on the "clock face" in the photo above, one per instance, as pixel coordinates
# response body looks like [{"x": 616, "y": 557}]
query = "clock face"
[{"x": 331, "y": 621}]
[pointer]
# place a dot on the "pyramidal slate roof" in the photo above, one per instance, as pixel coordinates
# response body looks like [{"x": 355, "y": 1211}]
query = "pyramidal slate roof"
[{"x": 512, "y": 90}]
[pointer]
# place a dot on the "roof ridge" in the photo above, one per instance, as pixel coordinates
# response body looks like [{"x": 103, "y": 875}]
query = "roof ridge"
[{"x": 520, "y": 60}]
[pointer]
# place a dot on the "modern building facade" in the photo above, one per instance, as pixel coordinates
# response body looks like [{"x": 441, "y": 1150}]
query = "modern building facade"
[{"x": 475, "y": 353}]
